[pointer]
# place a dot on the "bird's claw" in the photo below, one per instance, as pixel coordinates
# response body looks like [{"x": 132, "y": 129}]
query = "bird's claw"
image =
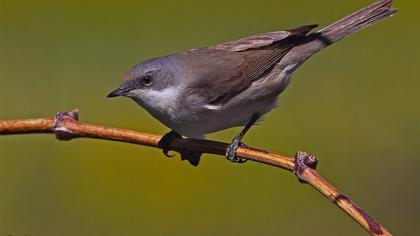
[
  {"x": 231, "y": 151},
  {"x": 166, "y": 152},
  {"x": 166, "y": 140},
  {"x": 165, "y": 144}
]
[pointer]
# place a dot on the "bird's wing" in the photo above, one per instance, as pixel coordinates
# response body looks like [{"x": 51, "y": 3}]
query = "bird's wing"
[
  {"x": 262, "y": 40},
  {"x": 223, "y": 71}
]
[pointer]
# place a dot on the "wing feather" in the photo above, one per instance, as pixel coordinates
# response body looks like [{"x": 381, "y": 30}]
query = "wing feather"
[
  {"x": 228, "y": 69},
  {"x": 262, "y": 40}
]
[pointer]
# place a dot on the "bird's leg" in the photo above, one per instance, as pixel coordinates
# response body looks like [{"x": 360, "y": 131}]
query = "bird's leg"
[
  {"x": 236, "y": 142},
  {"x": 166, "y": 141}
]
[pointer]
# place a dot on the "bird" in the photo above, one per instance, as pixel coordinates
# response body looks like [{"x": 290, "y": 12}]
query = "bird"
[{"x": 233, "y": 84}]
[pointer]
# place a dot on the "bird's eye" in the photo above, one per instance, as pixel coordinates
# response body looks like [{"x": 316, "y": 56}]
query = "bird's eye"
[{"x": 147, "y": 80}]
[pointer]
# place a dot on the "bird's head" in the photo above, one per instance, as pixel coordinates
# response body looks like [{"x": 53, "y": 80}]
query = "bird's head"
[{"x": 151, "y": 82}]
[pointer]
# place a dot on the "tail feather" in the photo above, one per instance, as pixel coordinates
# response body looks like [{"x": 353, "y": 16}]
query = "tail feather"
[
  {"x": 357, "y": 21},
  {"x": 321, "y": 39}
]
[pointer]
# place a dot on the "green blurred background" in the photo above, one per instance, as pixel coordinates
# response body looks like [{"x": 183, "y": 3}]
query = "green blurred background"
[{"x": 355, "y": 105}]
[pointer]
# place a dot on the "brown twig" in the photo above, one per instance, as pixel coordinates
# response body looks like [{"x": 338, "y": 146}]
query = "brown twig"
[{"x": 66, "y": 127}]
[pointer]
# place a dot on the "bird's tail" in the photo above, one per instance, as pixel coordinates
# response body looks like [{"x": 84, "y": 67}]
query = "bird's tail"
[
  {"x": 321, "y": 39},
  {"x": 357, "y": 21}
]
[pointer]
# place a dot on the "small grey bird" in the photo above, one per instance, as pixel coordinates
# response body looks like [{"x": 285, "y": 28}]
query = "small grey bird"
[{"x": 205, "y": 90}]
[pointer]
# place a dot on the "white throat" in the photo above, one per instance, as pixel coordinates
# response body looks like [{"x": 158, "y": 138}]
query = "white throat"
[{"x": 161, "y": 104}]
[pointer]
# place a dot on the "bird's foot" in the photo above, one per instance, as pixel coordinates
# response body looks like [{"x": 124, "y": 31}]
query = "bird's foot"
[
  {"x": 165, "y": 143},
  {"x": 231, "y": 151},
  {"x": 192, "y": 157},
  {"x": 166, "y": 140}
]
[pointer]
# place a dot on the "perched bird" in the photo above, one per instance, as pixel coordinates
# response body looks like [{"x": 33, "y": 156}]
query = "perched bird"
[{"x": 205, "y": 90}]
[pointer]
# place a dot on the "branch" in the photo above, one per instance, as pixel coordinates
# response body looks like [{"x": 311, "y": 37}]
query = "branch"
[{"x": 65, "y": 126}]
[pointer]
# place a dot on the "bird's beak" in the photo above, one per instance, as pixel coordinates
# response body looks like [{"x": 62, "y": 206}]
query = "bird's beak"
[{"x": 119, "y": 92}]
